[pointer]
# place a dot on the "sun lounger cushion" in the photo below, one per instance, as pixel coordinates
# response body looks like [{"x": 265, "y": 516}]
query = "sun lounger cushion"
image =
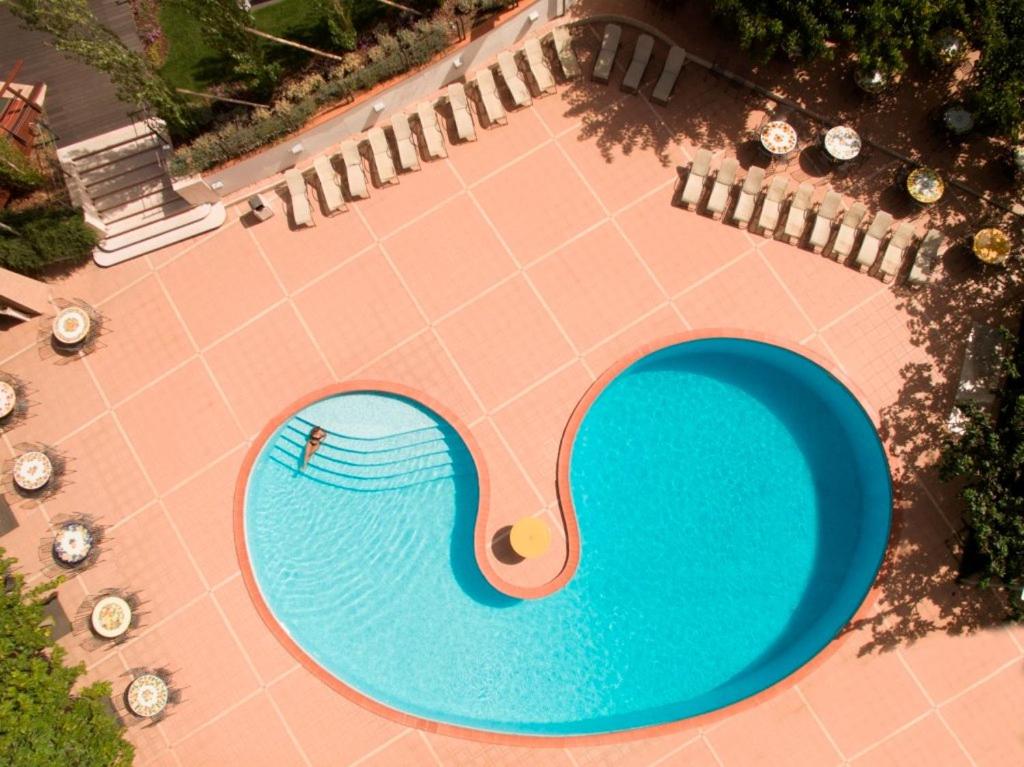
[
  {"x": 459, "y": 102},
  {"x": 749, "y": 193},
  {"x": 694, "y": 187},
  {"x": 822, "y": 230},
  {"x": 868, "y": 251},
  {"x": 354, "y": 170},
  {"x": 538, "y": 66},
  {"x": 327, "y": 180},
  {"x": 606, "y": 56},
  {"x": 796, "y": 219},
  {"x": 408, "y": 156},
  {"x": 431, "y": 130},
  {"x": 513, "y": 79},
  {"x": 382, "y": 156},
  {"x": 772, "y": 206},
  {"x": 926, "y": 258},
  {"x": 637, "y": 67},
  {"x": 488, "y": 91},
  {"x": 301, "y": 214},
  {"x": 894, "y": 251},
  {"x": 722, "y": 188},
  {"x": 848, "y": 228},
  {"x": 563, "y": 48},
  {"x": 673, "y": 66}
]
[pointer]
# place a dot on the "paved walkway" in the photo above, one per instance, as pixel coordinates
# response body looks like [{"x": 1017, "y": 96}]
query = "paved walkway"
[{"x": 501, "y": 282}]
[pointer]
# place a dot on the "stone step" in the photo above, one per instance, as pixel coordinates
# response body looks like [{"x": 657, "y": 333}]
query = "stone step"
[
  {"x": 123, "y": 198},
  {"x": 118, "y": 153},
  {"x": 160, "y": 234},
  {"x": 155, "y": 200},
  {"x": 120, "y": 166},
  {"x": 98, "y": 189},
  {"x": 146, "y": 217}
]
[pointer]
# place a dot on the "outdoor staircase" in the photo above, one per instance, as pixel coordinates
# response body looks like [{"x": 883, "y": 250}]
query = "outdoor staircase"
[{"x": 120, "y": 181}]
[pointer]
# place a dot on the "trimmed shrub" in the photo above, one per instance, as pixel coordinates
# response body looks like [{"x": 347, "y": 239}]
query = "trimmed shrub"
[
  {"x": 45, "y": 237},
  {"x": 302, "y": 98},
  {"x": 16, "y": 172}
]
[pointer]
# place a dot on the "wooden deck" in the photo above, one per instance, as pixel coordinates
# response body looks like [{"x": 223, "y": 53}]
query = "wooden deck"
[{"x": 80, "y": 101}]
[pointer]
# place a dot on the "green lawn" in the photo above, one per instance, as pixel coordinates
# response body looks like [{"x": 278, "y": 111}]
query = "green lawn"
[{"x": 194, "y": 65}]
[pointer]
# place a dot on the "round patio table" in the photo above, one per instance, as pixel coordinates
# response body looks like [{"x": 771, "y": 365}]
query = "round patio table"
[
  {"x": 958, "y": 120},
  {"x": 32, "y": 470},
  {"x": 71, "y": 325},
  {"x": 111, "y": 617},
  {"x": 147, "y": 695},
  {"x": 991, "y": 246},
  {"x": 72, "y": 543},
  {"x": 778, "y": 137},
  {"x": 842, "y": 143},
  {"x": 530, "y": 537},
  {"x": 925, "y": 185},
  {"x": 8, "y": 399}
]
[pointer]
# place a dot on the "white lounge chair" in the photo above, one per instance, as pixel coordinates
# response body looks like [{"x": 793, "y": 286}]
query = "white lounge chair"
[
  {"x": 693, "y": 190},
  {"x": 330, "y": 185},
  {"x": 563, "y": 48},
  {"x": 771, "y": 208},
  {"x": 354, "y": 170},
  {"x": 721, "y": 191},
  {"x": 821, "y": 232},
  {"x": 673, "y": 66},
  {"x": 301, "y": 214},
  {"x": 749, "y": 193},
  {"x": 894, "y": 251},
  {"x": 868, "y": 251},
  {"x": 382, "y": 156},
  {"x": 459, "y": 102},
  {"x": 408, "y": 155},
  {"x": 849, "y": 227},
  {"x": 488, "y": 91},
  {"x": 514, "y": 79},
  {"x": 637, "y": 67},
  {"x": 796, "y": 219},
  {"x": 538, "y": 66},
  {"x": 925, "y": 259},
  {"x": 606, "y": 56},
  {"x": 431, "y": 129}
]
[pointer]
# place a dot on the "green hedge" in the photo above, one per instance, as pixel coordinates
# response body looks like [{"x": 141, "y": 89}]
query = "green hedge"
[
  {"x": 393, "y": 55},
  {"x": 16, "y": 173},
  {"x": 31, "y": 241}
]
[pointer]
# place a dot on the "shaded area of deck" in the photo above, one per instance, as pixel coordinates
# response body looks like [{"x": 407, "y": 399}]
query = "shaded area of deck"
[{"x": 80, "y": 100}]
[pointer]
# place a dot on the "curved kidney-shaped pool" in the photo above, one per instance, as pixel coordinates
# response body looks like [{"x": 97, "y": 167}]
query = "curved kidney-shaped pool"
[{"x": 733, "y": 503}]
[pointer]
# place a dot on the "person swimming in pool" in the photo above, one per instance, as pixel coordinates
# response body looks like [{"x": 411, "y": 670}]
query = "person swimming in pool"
[{"x": 316, "y": 436}]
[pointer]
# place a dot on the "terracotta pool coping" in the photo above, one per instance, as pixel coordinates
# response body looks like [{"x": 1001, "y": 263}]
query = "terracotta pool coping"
[{"x": 573, "y": 540}]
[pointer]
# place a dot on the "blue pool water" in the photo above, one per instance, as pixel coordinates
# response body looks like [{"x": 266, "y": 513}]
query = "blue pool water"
[{"x": 733, "y": 503}]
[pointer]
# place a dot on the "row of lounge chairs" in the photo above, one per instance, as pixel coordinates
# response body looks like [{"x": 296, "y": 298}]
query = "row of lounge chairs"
[
  {"x": 800, "y": 209},
  {"x": 638, "y": 64},
  {"x": 329, "y": 182}
]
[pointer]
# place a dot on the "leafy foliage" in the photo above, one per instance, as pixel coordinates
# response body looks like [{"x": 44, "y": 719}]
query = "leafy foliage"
[
  {"x": 301, "y": 100},
  {"x": 44, "y": 237},
  {"x": 16, "y": 172},
  {"x": 43, "y": 723},
  {"x": 999, "y": 76},
  {"x": 75, "y": 30},
  {"x": 989, "y": 458},
  {"x": 340, "y": 23}
]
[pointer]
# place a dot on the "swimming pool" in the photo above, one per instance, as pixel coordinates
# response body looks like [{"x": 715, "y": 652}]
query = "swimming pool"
[{"x": 733, "y": 503}]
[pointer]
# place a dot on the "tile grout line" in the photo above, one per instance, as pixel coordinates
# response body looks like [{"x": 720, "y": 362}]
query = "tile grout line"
[
  {"x": 430, "y": 747},
  {"x": 382, "y": 747},
  {"x": 821, "y": 724}
]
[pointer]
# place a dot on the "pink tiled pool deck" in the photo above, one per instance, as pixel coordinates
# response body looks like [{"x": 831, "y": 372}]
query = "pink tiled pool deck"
[{"x": 501, "y": 282}]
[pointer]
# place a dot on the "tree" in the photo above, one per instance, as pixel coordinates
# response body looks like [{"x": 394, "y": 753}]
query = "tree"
[
  {"x": 795, "y": 28},
  {"x": 988, "y": 457},
  {"x": 224, "y": 24},
  {"x": 35, "y": 239},
  {"x": 16, "y": 172},
  {"x": 339, "y": 23},
  {"x": 41, "y": 721},
  {"x": 998, "y": 82},
  {"x": 76, "y": 31}
]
